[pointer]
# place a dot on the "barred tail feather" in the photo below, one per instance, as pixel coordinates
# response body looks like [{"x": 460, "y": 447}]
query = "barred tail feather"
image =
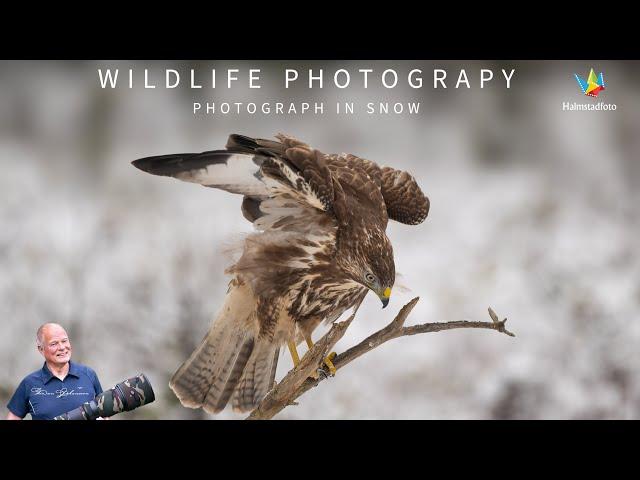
[
  {"x": 258, "y": 377},
  {"x": 213, "y": 371},
  {"x": 192, "y": 381},
  {"x": 225, "y": 382}
]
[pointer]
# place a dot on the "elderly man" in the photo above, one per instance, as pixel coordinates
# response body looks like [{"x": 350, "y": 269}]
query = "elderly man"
[{"x": 59, "y": 386}]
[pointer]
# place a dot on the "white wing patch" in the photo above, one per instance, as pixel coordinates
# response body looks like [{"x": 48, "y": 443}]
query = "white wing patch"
[
  {"x": 238, "y": 174},
  {"x": 300, "y": 186},
  {"x": 287, "y": 214},
  {"x": 287, "y": 220}
]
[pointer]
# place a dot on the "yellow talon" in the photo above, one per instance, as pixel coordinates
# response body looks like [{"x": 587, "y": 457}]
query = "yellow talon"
[{"x": 329, "y": 363}]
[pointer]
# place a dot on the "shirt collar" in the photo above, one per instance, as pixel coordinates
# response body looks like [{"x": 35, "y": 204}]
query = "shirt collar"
[{"x": 47, "y": 375}]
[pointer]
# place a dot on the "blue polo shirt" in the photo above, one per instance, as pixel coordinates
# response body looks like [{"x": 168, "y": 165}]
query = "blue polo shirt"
[{"x": 45, "y": 396}]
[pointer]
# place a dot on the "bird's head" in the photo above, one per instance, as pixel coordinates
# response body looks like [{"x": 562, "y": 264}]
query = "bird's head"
[{"x": 372, "y": 265}]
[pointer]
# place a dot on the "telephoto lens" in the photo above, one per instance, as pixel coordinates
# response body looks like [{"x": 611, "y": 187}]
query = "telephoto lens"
[{"x": 128, "y": 395}]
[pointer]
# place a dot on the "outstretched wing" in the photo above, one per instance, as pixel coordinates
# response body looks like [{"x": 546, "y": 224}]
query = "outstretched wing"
[
  {"x": 344, "y": 190},
  {"x": 255, "y": 168},
  {"x": 234, "y": 172},
  {"x": 259, "y": 168}
]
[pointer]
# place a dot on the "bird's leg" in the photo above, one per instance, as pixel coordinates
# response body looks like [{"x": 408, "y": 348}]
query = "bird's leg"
[
  {"x": 294, "y": 353},
  {"x": 328, "y": 360}
]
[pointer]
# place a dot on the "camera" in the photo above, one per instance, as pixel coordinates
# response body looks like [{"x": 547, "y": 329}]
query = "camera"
[{"x": 128, "y": 395}]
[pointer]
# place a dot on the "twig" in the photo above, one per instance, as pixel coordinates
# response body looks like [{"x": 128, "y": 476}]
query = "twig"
[{"x": 298, "y": 380}]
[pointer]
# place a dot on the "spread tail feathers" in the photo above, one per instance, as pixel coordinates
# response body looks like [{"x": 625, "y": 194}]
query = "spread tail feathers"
[{"x": 230, "y": 360}]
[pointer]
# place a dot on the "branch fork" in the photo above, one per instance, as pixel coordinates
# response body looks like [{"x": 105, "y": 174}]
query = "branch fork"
[{"x": 298, "y": 380}]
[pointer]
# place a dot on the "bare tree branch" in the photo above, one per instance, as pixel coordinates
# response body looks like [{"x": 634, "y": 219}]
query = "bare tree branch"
[{"x": 298, "y": 381}]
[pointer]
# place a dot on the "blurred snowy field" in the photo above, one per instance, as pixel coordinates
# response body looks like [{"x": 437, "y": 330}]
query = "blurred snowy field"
[{"x": 534, "y": 212}]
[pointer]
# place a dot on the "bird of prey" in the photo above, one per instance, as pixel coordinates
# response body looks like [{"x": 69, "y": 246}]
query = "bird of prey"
[{"x": 319, "y": 247}]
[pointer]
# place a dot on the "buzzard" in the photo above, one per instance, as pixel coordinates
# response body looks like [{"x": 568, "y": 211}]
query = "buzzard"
[{"x": 319, "y": 247}]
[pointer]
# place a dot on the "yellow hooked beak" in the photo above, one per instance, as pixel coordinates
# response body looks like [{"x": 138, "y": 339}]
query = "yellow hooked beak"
[{"x": 385, "y": 297}]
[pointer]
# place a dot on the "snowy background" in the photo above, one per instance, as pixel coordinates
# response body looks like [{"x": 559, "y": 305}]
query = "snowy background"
[{"x": 534, "y": 211}]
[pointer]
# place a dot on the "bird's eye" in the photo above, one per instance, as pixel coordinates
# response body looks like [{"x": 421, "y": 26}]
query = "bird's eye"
[{"x": 369, "y": 277}]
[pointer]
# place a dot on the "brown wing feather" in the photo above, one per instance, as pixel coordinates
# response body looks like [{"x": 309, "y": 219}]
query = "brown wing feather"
[
  {"x": 361, "y": 194},
  {"x": 338, "y": 179},
  {"x": 344, "y": 187},
  {"x": 351, "y": 161},
  {"x": 405, "y": 201},
  {"x": 403, "y": 198},
  {"x": 309, "y": 165},
  {"x": 313, "y": 167}
]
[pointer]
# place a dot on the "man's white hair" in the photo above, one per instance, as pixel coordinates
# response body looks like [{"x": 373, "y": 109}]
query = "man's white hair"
[{"x": 40, "y": 332}]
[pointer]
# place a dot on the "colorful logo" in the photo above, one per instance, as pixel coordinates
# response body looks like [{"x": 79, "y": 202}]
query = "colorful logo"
[{"x": 593, "y": 85}]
